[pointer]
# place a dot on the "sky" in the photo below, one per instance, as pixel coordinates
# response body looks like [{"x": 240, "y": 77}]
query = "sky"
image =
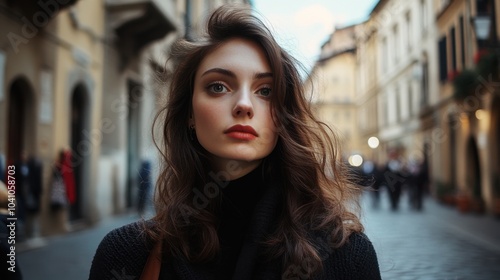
[{"x": 301, "y": 27}]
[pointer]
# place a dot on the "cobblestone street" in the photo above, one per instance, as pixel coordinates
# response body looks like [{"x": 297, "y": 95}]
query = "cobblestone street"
[{"x": 438, "y": 243}]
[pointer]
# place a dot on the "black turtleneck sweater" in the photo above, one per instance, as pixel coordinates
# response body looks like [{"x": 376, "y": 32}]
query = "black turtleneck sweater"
[
  {"x": 248, "y": 212},
  {"x": 237, "y": 205}
]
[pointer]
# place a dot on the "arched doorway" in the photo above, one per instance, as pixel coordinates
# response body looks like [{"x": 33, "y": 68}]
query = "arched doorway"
[
  {"x": 20, "y": 120},
  {"x": 495, "y": 147},
  {"x": 80, "y": 146},
  {"x": 473, "y": 178},
  {"x": 20, "y": 144}
]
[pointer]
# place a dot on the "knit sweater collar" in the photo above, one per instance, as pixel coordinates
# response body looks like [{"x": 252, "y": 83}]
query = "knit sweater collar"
[
  {"x": 260, "y": 221},
  {"x": 240, "y": 196}
]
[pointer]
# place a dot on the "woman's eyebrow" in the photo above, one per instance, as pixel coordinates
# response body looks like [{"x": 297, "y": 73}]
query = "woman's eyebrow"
[
  {"x": 220, "y": 71},
  {"x": 263, "y": 75},
  {"x": 231, "y": 74}
]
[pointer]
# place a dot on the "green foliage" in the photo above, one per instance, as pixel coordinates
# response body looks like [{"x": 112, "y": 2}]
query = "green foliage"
[
  {"x": 443, "y": 189},
  {"x": 487, "y": 66},
  {"x": 465, "y": 84}
]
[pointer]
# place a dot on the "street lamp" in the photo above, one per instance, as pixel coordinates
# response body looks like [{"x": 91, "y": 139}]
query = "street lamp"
[
  {"x": 482, "y": 25},
  {"x": 485, "y": 27}
]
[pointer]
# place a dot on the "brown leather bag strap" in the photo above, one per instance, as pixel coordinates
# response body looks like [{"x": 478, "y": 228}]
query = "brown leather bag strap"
[{"x": 151, "y": 270}]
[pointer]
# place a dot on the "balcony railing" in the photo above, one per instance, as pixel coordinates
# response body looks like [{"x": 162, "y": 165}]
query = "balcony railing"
[
  {"x": 137, "y": 23},
  {"x": 40, "y": 10}
]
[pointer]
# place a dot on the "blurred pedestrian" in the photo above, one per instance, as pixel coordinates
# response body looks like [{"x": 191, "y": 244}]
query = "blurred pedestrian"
[
  {"x": 370, "y": 174},
  {"x": 421, "y": 179},
  {"x": 65, "y": 167},
  {"x": 245, "y": 190},
  {"x": 368, "y": 169},
  {"x": 58, "y": 196},
  {"x": 145, "y": 185},
  {"x": 2, "y": 167},
  {"x": 22, "y": 185},
  {"x": 63, "y": 188},
  {"x": 378, "y": 181},
  {"x": 33, "y": 193},
  {"x": 393, "y": 180}
]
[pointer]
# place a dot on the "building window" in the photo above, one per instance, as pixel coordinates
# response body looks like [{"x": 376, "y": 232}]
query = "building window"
[
  {"x": 385, "y": 108},
  {"x": 397, "y": 99},
  {"x": 462, "y": 41},
  {"x": 453, "y": 49},
  {"x": 396, "y": 44},
  {"x": 410, "y": 99},
  {"x": 443, "y": 62},
  {"x": 385, "y": 55},
  {"x": 408, "y": 31},
  {"x": 425, "y": 84},
  {"x": 425, "y": 16}
]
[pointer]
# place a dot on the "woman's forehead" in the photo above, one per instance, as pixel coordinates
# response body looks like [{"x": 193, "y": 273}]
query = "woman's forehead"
[{"x": 238, "y": 54}]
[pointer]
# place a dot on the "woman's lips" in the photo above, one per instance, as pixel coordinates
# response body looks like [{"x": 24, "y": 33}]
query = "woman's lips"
[{"x": 241, "y": 132}]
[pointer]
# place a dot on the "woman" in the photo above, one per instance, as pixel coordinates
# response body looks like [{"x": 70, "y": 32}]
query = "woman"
[{"x": 251, "y": 186}]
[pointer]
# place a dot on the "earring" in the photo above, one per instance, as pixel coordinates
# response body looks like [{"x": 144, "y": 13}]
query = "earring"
[{"x": 192, "y": 132}]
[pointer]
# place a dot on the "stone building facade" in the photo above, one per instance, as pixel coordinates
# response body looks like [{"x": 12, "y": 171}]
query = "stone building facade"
[{"x": 80, "y": 76}]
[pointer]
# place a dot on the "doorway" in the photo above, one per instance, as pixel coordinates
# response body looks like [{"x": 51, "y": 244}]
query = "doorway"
[
  {"x": 20, "y": 120},
  {"x": 473, "y": 169},
  {"x": 81, "y": 147}
]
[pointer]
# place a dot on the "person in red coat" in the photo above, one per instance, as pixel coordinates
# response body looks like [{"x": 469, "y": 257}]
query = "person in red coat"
[{"x": 66, "y": 168}]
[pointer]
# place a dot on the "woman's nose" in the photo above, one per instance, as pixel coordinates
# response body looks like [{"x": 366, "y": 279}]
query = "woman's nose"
[{"x": 243, "y": 106}]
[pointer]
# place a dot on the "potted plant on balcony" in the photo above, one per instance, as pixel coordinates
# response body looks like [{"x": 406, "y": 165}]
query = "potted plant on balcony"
[
  {"x": 465, "y": 84},
  {"x": 445, "y": 193},
  {"x": 477, "y": 202},
  {"x": 463, "y": 201},
  {"x": 487, "y": 65}
]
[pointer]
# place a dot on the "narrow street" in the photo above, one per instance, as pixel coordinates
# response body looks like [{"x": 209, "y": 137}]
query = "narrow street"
[
  {"x": 70, "y": 256},
  {"x": 437, "y": 243}
]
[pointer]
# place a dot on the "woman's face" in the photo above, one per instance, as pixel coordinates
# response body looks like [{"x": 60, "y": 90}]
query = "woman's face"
[{"x": 231, "y": 105}]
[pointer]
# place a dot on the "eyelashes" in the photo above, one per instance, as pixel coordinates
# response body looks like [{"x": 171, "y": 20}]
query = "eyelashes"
[
  {"x": 220, "y": 88},
  {"x": 217, "y": 87},
  {"x": 265, "y": 91}
]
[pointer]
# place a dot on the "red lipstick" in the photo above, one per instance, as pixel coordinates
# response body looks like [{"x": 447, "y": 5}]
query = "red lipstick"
[{"x": 241, "y": 132}]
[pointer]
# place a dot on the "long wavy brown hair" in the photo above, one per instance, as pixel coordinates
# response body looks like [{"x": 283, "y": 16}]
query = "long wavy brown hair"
[{"x": 316, "y": 190}]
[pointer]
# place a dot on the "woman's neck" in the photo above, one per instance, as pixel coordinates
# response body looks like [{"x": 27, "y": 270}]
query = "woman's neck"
[{"x": 234, "y": 169}]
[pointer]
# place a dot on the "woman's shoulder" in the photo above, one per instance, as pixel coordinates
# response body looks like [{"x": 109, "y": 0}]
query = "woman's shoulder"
[
  {"x": 359, "y": 241},
  {"x": 356, "y": 257},
  {"x": 134, "y": 232},
  {"x": 122, "y": 252}
]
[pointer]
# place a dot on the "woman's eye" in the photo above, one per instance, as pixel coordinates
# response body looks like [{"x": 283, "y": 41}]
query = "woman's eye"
[
  {"x": 266, "y": 92},
  {"x": 217, "y": 88}
]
